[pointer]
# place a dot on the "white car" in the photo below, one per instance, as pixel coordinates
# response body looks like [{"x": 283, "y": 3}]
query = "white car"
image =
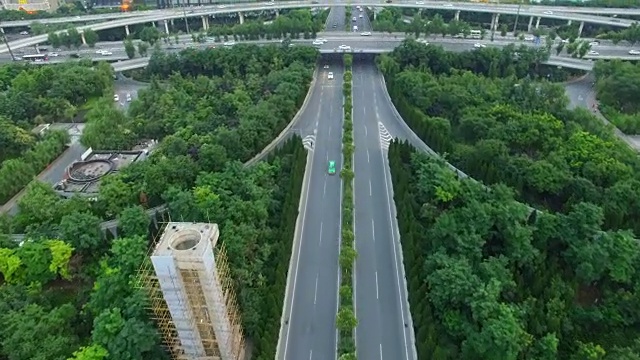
[
  {"x": 344, "y": 47},
  {"x": 419, "y": 2},
  {"x": 366, "y": 33},
  {"x": 222, "y": 6},
  {"x": 593, "y": 52},
  {"x": 354, "y": 19},
  {"x": 318, "y": 42},
  {"x": 565, "y": 41},
  {"x": 100, "y": 51},
  {"x": 634, "y": 52},
  {"x": 106, "y": 53},
  {"x": 128, "y": 97},
  {"x": 448, "y": 5},
  {"x": 594, "y": 43},
  {"x": 330, "y": 76},
  {"x": 323, "y": 40},
  {"x": 548, "y": 12},
  {"x": 24, "y": 33},
  {"x": 423, "y": 41},
  {"x": 53, "y": 54},
  {"x": 229, "y": 43},
  {"x": 529, "y": 38},
  {"x": 360, "y": 16},
  {"x": 116, "y": 98},
  {"x": 479, "y": 46},
  {"x": 326, "y": 66}
]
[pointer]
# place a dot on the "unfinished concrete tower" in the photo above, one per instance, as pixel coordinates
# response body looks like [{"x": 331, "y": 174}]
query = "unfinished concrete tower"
[{"x": 197, "y": 313}]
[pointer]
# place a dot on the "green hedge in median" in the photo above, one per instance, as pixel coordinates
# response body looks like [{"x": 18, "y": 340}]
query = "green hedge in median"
[{"x": 346, "y": 318}]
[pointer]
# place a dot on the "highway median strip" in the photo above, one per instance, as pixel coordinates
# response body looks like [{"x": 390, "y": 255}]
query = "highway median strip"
[{"x": 346, "y": 321}]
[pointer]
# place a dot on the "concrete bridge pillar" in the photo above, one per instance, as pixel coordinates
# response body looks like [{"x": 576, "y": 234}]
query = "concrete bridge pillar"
[
  {"x": 241, "y": 17},
  {"x": 580, "y": 28},
  {"x": 126, "y": 30},
  {"x": 84, "y": 41},
  {"x": 569, "y": 22},
  {"x": 457, "y": 16},
  {"x": 172, "y": 24},
  {"x": 494, "y": 22},
  {"x": 538, "y": 22},
  {"x": 277, "y": 12},
  {"x": 205, "y": 23},
  {"x": 166, "y": 26},
  {"x": 530, "y": 24}
]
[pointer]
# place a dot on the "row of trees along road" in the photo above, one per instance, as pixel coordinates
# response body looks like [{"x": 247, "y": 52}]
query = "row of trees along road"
[
  {"x": 346, "y": 319},
  {"x": 489, "y": 279},
  {"x": 218, "y": 110},
  {"x": 295, "y": 24},
  {"x": 32, "y": 95},
  {"x": 72, "y": 38},
  {"x": 618, "y": 85},
  {"x": 502, "y": 127}
]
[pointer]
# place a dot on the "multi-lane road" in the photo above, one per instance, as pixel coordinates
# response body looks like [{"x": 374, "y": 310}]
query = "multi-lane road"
[
  {"x": 311, "y": 303},
  {"x": 384, "y": 329}
]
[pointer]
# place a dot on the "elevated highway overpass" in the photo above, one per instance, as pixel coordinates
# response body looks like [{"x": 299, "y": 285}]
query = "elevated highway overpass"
[
  {"x": 531, "y": 11},
  {"x": 380, "y": 44},
  {"x": 433, "y": 4}
]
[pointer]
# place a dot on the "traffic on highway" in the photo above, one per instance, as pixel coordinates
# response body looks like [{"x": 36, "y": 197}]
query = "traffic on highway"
[{"x": 164, "y": 15}]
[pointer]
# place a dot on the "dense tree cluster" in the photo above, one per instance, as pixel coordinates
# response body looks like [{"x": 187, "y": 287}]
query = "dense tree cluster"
[
  {"x": 618, "y": 84},
  {"x": 630, "y": 34},
  {"x": 72, "y": 38},
  {"x": 490, "y": 279},
  {"x": 16, "y": 173},
  {"x": 345, "y": 319},
  {"x": 32, "y": 95},
  {"x": 393, "y": 20},
  {"x": 295, "y": 24},
  {"x": 515, "y": 131},
  {"x": 41, "y": 94},
  {"x": 207, "y": 120}
]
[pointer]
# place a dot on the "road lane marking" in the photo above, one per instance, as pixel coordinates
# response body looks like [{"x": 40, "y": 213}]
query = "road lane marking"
[
  {"x": 370, "y": 188},
  {"x": 324, "y": 191},
  {"x": 365, "y": 130},
  {"x": 381, "y": 351},
  {"x": 329, "y": 131},
  {"x": 377, "y": 290},
  {"x": 315, "y": 295},
  {"x": 310, "y": 354},
  {"x": 373, "y": 230},
  {"x": 368, "y": 155},
  {"x": 321, "y": 233}
]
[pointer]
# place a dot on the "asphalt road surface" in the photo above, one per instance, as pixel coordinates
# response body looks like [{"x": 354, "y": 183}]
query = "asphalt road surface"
[
  {"x": 380, "y": 293},
  {"x": 311, "y": 329},
  {"x": 380, "y": 41}
]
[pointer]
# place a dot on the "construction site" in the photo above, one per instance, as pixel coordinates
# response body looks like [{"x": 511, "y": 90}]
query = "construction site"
[{"x": 191, "y": 294}]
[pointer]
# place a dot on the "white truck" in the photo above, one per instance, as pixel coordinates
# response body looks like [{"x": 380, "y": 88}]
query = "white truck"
[{"x": 355, "y": 28}]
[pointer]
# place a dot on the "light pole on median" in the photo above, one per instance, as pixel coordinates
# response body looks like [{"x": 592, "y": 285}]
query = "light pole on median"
[
  {"x": 515, "y": 25},
  {"x": 4, "y": 38}
]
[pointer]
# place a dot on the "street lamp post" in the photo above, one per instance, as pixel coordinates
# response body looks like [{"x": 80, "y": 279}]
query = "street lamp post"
[
  {"x": 4, "y": 38},
  {"x": 515, "y": 25}
]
